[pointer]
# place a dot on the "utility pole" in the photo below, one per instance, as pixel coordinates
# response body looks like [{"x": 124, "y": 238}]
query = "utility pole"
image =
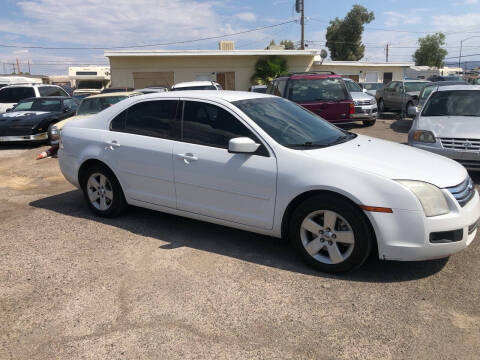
[
  {"x": 18, "y": 67},
  {"x": 29, "y": 67},
  {"x": 386, "y": 53},
  {"x": 300, "y": 8}
]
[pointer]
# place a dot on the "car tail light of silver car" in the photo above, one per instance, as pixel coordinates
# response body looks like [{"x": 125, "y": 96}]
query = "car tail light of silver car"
[
  {"x": 424, "y": 136},
  {"x": 431, "y": 197},
  {"x": 464, "y": 192}
]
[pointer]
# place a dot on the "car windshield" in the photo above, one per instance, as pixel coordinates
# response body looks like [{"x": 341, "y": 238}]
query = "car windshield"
[
  {"x": 290, "y": 124},
  {"x": 206, "y": 87},
  {"x": 414, "y": 86},
  {"x": 95, "y": 105},
  {"x": 326, "y": 89},
  {"x": 90, "y": 84},
  {"x": 453, "y": 78},
  {"x": 453, "y": 103},
  {"x": 39, "y": 105},
  {"x": 352, "y": 86},
  {"x": 373, "y": 86},
  {"x": 425, "y": 93}
]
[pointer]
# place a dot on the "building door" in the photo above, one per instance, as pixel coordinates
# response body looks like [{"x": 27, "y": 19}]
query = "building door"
[
  {"x": 387, "y": 77},
  {"x": 159, "y": 78},
  {"x": 226, "y": 80},
  {"x": 355, "y": 78},
  {"x": 371, "y": 76}
]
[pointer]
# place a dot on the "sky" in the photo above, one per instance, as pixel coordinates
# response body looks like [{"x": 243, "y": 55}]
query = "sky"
[{"x": 114, "y": 23}]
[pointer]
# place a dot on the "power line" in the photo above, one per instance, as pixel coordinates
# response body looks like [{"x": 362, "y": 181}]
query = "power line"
[{"x": 149, "y": 45}]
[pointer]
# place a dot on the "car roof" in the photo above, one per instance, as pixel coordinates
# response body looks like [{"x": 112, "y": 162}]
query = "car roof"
[
  {"x": 193, "y": 83},
  {"x": 311, "y": 75},
  {"x": 48, "y": 98},
  {"x": 225, "y": 95},
  {"x": 459, "y": 87},
  {"x": 447, "y": 83},
  {"x": 29, "y": 85},
  {"x": 109, "y": 94},
  {"x": 414, "y": 81}
]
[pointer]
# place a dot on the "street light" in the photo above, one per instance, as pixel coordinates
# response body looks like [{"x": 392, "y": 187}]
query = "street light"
[{"x": 461, "y": 45}]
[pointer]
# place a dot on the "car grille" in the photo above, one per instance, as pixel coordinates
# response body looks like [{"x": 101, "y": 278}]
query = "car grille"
[
  {"x": 364, "y": 102},
  {"x": 461, "y": 144},
  {"x": 464, "y": 192}
]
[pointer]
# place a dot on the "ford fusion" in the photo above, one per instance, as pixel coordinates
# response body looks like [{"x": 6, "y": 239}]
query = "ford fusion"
[
  {"x": 265, "y": 164},
  {"x": 31, "y": 118}
]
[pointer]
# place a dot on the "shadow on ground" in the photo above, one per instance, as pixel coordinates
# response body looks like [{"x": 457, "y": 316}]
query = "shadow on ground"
[
  {"x": 401, "y": 125},
  {"x": 20, "y": 146},
  {"x": 179, "y": 231}
]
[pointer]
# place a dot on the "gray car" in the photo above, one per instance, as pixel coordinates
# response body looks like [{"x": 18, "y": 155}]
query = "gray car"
[
  {"x": 365, "y": 104},
  {"x": 398, "y": 96},
  {"x": 449, "y": 124}
]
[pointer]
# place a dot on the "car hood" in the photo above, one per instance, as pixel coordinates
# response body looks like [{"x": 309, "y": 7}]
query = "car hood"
[
  {"x": 392, "y": 160},
  {"x": 451, "y": 126},
  {"x": 360, "y": 96},
  {"x": 60, "y": 124},
  {"x": 25, "y": 117}
]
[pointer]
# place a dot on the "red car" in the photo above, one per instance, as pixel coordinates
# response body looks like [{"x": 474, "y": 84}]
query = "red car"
[{"x": 323, "y": 93}]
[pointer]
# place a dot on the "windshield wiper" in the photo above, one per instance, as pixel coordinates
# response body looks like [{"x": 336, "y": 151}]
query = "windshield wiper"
[{"x": 307, "y": 144}]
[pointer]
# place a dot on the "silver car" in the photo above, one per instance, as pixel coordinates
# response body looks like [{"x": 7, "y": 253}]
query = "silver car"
[
  {"x": 449, "y": 124},
  {"x": 365, "y": 105}
]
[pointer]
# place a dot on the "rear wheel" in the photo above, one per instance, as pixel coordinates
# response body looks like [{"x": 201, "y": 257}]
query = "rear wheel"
[
  {"x": 381, "y": 106},
  {"x": 331, "y": 234},
  {"x": 102, "y": 191}
]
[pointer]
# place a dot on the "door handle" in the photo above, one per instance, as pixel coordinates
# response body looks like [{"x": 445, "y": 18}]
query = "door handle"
[
  {"x": 112, "y": 144},
  {"x": 187, "y": 157}
]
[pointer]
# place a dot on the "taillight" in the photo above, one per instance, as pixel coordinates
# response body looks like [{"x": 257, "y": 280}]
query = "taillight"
[{"x": 352, "y": 109}]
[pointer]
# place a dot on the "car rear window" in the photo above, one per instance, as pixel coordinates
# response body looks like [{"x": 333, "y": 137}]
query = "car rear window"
[
  {"x": 51, "y": 91},
  {"x": 15, "y": 94},
  {"x": 326, "y": 89}
]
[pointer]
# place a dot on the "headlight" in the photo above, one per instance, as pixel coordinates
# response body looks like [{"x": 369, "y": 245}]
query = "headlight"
[
  {"x": 373, "y": 101},
  {"x": 424, "y": 136},
  {"x": 54, "y": 133},
  {"x": 431, "y": 197}
]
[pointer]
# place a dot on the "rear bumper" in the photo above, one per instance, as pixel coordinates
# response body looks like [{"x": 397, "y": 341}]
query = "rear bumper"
[{"x": 35, "y": 137}]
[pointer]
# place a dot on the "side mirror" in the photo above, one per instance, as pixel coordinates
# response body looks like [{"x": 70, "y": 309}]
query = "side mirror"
[
  {"x": 364, "y": 90},
  {"x": 242, "y": 145},
  {"x": 412, "y": 111}
]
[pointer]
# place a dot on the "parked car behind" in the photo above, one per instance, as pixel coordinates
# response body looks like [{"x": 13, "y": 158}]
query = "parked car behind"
[
  {"x": 31, "y": 119},
  {"x": 264, "y": 164},
  {"x": 196, "y": 85},
  {"x": 449, "y": 124},
  {"x": 12, "y": 94},
  {"x": 116, "y": 90},
  {"x": 152, "y": 89},
  {"x": 89, "y": 106},
  {"x": 439, "y": 78},
  {"x": 365, "y": 104},
  {"x": 323, "y": 93},
  {"x": 398, "y": 96},
  {"x": 371, "y": 87},
  {"x": 258, "y": 88}
]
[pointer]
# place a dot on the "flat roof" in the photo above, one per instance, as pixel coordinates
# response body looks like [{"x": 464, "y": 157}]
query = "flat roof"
[
  {"x": 363, "y": 63},
  {"x": 128, "y": 53}
]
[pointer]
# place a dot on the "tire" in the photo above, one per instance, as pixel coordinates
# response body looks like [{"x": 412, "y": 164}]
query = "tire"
[
  {"x": 381, "y": 106},
  {"x": 406, "y": 109},
  {"x": 356, "y": 240},
  {"x": 99, "y": 182},
  {"x": 369, "y": 122},
  {"x": 48, "y": 133}
]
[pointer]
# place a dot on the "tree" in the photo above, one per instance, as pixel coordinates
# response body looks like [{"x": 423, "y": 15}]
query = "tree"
[
  {"x": 268, "y": 68},
  {"x": 430, "y": 52},
  {"x": 272, "y": 43},
  {"x": 288, "y": 44},
  {"x": 344, "y": 36}
]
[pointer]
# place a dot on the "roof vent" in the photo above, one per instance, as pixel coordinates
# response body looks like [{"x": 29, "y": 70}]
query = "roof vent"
[{"x": 226, "y": 45}]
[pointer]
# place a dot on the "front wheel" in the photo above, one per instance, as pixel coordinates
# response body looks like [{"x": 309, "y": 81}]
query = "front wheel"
[
  {"x": 381, "y": 106},
  {"x": 331, "y": 234},
  {"x": 103, "y": 192},
  {"x": 369, "y": 122}
]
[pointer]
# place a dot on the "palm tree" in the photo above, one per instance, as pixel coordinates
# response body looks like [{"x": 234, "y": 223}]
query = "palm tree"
[{"x": 268, "y": 68}]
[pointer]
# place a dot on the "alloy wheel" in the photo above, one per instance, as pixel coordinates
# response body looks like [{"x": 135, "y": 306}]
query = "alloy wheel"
[
  {"x": 99, "y": 190},
  {"x": 327, "y": 237}
]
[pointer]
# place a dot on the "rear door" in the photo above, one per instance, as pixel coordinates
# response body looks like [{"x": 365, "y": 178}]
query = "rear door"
[
  {"x": 389, "y": 94},
  {"x": 139, "y": 149},
  {"x": 210, "y": 181}
]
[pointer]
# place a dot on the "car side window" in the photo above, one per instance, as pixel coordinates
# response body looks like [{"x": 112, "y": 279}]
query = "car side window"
[
  {"x": 71, "y": 104},
  {"x": 51, "y": 91},
  {"x": 391, "y": 86},
  {"x": 210, "y": 125},
  {"x": 15, "y": 94},
  {"x": 271, "y": 88},
  {"x": 281, "y": 84},
  {"x": 149, "y": 118}
]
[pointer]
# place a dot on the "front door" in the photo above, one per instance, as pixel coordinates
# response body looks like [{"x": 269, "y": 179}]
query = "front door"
[
  {"x": 210, "y": 181},
  {"x": 139, "y": 148}
]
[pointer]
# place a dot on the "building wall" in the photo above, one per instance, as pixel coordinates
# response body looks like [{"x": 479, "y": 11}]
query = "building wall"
[
  {"x": 361, "y": 72},
  {"x": 187, "y": 68}
]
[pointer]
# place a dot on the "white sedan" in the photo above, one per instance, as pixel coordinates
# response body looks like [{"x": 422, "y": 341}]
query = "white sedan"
[{"x": 264, "y": 164}]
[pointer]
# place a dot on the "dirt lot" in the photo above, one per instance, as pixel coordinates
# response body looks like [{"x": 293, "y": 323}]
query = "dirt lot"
[{"x": 150, "y": 285}]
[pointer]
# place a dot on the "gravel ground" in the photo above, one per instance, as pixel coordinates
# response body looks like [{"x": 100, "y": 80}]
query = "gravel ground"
[{"x": 149, "y": 285}]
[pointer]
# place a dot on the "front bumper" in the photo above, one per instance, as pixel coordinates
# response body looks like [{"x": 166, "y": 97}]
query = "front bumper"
[
  {"x": 469, "y": 159},
  {"x": 365, "y": 112},
  {"x": 405, "y": 235},
  {"x": 35, "y": 137}
]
